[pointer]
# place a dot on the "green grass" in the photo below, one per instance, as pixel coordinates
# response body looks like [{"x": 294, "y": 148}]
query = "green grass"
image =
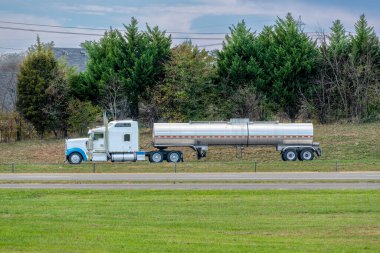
[
  {"x": 355, "y": 146},
  {"x": 189, "y": 221},
  {"x": 195, "y": 166}
]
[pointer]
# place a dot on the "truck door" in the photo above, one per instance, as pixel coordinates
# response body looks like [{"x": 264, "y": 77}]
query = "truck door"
[
  {"x": 127, "y": 141},
  {"x": 98, "y": 142}
]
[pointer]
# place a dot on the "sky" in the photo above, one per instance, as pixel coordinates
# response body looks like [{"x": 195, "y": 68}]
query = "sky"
[{"x": 183, "y": 19}]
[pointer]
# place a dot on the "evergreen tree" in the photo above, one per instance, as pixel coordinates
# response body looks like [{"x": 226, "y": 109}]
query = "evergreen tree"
[
  {"x": 238, "y": 66},
  {"x": 293, "y": 57},
  {"x": 58, "y": 100},
  {"x": 135, "y": 59},
  {"x": 37, "y": 72}
]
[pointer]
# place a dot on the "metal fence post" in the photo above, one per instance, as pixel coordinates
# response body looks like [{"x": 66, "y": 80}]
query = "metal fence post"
[
  {"x": 255, "y": 164},
  {"x": 13, "y": 167},
  {"x": 93, "y": 167},
  {"x": 336, "y": 165}
]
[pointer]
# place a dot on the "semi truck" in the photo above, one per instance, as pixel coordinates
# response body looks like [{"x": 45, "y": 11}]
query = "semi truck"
[{"x": 118, "y": 141}]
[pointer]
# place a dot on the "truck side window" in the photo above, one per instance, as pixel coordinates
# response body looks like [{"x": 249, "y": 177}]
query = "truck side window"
[
  {"x": 123, "y": 125},
  {"x": 98, "y": 136},
  {"x": 127, "y": 137}
]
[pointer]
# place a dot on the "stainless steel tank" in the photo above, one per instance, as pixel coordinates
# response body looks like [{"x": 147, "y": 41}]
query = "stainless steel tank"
[{"x": 235, "y": 132}]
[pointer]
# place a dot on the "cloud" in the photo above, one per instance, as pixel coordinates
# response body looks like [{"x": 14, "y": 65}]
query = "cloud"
[
  {"x": 182, "y": 17},
  {"x": 97, "y": 9},
  {"x": 24, "y": 39}
]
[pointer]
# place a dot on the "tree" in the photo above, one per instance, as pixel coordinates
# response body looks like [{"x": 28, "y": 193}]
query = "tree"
[
  {"x": 58, "y": 93},
  {"x": 115, "y": 101},
  {"x": 363, "y": 71},
  {"x": 37, "y": 73},
  {"x": 238, "y": 66},
  {"x": 9, "y": 67},
  {"x": 135, "y": 59},
  {"x": 348, "y": 74},
  {"x": 186, "y": 91},
  {"x": 82, "y": 114},
  {"x": 330, "y": 92},
  {"x": 105, "y": 63},
  {"x": 293, "y": 57}
]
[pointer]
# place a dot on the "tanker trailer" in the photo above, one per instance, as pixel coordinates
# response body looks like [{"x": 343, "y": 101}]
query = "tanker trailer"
[
  {"x": 293, "y": 140},
  {"x": 118, "y": 141}
]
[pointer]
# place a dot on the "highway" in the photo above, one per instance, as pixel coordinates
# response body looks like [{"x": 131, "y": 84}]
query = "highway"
[
  {"x": 194, "y": 181},
  {"x": 198, "y": 186},
  {"x": 259, "y": 176}
]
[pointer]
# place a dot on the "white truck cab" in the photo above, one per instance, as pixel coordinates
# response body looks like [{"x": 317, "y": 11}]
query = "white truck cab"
[{"x": 116, "y": 141}]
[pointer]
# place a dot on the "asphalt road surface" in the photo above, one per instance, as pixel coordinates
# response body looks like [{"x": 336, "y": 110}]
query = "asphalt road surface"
[
  {"x": 196, "y": 181},
  {"x": 259, "y": 176},
  {"x": 199, "y": 186}
]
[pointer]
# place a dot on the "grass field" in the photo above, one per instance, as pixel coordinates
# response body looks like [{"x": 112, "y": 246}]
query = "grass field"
[
  {"x": 189, "y": 221},
  {"x": 355, "y": 146}
]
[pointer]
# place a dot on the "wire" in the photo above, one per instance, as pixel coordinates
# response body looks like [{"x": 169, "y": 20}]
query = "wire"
[
  {"x": 56, "y": 26},
  {"x": 96, "y": 34},
  {"x": 12, "y": 48},
  {"x": 102, "y": 29},
  {"x": 211, "y": 45},
  {"x": 47, "y": 31}
]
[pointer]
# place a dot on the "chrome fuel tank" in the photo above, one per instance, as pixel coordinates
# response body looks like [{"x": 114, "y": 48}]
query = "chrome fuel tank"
[{"x": 235, "y": 132}]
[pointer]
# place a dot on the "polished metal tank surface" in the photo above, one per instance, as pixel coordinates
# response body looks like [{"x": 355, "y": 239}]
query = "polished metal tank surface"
[{"x": 231, "y": 133}]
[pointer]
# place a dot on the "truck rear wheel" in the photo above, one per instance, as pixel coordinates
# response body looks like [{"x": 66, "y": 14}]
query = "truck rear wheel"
[
  {"x": 156, "y": 157},
  {"x": 306, "y": 155},
  {"x": 174, "y": 157},
  {"x": 290, "y": 155}
]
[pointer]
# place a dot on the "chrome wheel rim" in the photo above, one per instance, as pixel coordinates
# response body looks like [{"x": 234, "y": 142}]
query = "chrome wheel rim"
[
  {"x": 174, "y": 157},
  {"x": 75, "y": 158},
  {"x": 156, "y": 157},
  {"x": 307, "y": 155},
  {"x": 290, "y": 155}
]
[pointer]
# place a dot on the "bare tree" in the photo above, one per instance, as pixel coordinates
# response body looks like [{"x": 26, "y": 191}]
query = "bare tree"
[
  {"x": 115, "y": 101},
  {"x": 9, "y": 67}
]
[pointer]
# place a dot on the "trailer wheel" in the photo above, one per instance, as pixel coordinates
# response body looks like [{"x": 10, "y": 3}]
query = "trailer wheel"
[
  {"x": 156, "y": 157},
  {"x": 306, "y": 155},
  {"x": 290, "y": 155},
  {"x": 75, "y": 158},
  {"x": 174, "y": 157}
]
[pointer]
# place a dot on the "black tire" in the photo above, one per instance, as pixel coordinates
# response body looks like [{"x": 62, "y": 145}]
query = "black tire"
[
  {"x": 75, "y": 158},
  {"x": 290, "y": 155},
  {"x": 306, "y": 155},
  {"x": 173, "y": 157},
  {"x": 156, "y": 157}
]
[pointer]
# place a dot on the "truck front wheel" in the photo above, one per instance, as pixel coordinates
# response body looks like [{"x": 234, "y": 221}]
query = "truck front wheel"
[{"x": 75, "y": 158}]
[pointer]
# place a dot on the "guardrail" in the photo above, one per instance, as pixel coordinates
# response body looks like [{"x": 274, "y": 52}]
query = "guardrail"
[{"x": 192, "y": 166}]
